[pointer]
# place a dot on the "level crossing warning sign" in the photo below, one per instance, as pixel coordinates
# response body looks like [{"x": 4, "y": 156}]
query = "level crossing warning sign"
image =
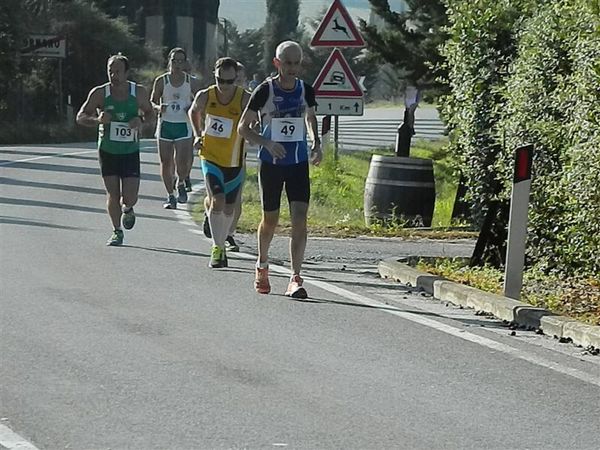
[
  {"x": 336, "y": 78},
  {"x": 337, "y": 29}
]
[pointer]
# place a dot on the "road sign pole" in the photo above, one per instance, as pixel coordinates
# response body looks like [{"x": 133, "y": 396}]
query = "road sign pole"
[
  {"x": 60, "y": 90},
  {"x": 517, "y": 224},
  {"x": 335, "y": 137}
]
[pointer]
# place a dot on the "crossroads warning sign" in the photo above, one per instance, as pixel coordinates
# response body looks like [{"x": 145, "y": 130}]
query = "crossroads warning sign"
[
  {"x": 336, "y": 78},
  {"x": 337, "y": 29}
]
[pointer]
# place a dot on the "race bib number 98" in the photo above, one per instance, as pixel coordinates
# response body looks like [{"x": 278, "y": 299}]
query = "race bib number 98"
[
  {"x": 217, "y": 126},
  {"x": 120, "y": 132},
  {"x": 287, "y": 129}
]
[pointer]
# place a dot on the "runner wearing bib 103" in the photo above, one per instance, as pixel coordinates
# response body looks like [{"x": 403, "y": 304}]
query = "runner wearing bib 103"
[{"x": 117, "y": 137}]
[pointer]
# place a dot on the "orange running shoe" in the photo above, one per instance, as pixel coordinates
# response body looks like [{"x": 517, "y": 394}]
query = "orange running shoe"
[
  {"x": 295, "y": 289},
  {"x": 261, "y": 282}
]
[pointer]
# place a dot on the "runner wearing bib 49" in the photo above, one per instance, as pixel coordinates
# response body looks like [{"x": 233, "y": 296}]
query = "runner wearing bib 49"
[{"x": 285, "y": 106}]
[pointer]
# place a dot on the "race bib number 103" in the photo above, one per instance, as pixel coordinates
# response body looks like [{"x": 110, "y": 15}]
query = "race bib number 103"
[{"x": 120, "y": 132}]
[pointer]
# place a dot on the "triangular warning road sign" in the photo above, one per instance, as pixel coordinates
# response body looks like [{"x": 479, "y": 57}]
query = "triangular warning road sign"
[
  {"x": 336, "y": 78},
  {"x": 337, "y": 29}
]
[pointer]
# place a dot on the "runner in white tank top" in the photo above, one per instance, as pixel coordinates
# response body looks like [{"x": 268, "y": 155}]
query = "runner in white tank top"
[{"x": 172, "y": 96}]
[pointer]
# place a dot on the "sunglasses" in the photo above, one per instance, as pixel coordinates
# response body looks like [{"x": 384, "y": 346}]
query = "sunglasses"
[{"x": 224, "y": 80}]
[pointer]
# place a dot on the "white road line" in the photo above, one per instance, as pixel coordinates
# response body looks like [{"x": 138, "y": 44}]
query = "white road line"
[
  {"x": 13, "y": 441},
  {"x": 439, "y": 326},
  {"x": 459, "y": 333},
  {"x": 54, "y": 155}
]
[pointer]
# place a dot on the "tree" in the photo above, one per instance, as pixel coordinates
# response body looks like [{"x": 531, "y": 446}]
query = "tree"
[
  {"x": 247, "y": 47},
  {"x": 410, "y": 41},
  {"x": 281, "y": 24},
  {"x": 92, "y": 37}
]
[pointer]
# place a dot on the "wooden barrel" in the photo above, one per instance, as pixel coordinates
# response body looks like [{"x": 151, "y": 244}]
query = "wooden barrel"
[{"x": 401, "y": 188}]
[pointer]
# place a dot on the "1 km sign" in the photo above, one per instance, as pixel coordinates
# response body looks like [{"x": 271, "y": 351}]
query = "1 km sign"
[{"x": 47, "y": 45}]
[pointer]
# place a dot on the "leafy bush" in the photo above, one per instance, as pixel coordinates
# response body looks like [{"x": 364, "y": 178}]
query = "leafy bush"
[{"x": 527, "y": 71}]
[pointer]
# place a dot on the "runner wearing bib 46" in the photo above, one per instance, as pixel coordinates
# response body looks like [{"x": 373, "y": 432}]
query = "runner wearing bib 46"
[
  {"x": 285, "y": 106},
  {"x": 115, "y": 108},
  {"x": 215, "y": 114}
]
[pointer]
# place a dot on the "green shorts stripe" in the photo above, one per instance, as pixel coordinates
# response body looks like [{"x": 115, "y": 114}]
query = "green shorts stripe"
[{"x": 173, "y": 131}]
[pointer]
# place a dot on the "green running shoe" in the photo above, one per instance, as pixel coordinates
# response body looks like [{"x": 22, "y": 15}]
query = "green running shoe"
[
  {"x": 128, "y": 219},
  {"x": 216, "y": 257},
  {"x": 116, "y": 238}
]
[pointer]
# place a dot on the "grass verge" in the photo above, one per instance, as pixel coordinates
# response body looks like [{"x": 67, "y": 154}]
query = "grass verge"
[
  {"x": 578, "y": 298},
  {"x": 337, "y": 190}
]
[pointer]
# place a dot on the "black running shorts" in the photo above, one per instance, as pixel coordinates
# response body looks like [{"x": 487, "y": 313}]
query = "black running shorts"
[
  {"x": 122, "y": 166},
  {"x": 272, "y": 177}
]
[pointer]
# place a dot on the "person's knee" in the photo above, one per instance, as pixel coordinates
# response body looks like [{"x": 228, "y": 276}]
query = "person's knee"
[
  {"x": 217, "y": 202},
  {"x": 130, "y": 199},
  {"x": 269, "y": 220}
]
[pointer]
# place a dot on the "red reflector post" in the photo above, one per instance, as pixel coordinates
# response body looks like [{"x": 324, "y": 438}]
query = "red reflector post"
[{"x": 523, "y": 162}]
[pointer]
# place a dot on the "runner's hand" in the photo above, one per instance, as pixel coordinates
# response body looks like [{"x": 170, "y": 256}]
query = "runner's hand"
[
  {"x": 135, "y": 123},
  {"x": 104, "y": 117},
  {"x": 316, "y": 154},
  {"x": 276, "y": 149},
  {"x": 198, "y": 142}
]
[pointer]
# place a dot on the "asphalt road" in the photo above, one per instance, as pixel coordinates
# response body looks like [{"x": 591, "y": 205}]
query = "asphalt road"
[{"x": 145, "y": 347}]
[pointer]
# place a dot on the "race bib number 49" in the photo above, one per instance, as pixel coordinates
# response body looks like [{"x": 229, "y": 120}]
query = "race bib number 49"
[
  {"x": 217, "y": 126},
  {"x": 287, "y": 129},
  {"x": 120, "y": 132}
]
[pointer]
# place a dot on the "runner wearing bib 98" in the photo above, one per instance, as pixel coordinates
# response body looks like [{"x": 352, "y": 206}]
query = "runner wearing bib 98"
[
  {"x": 285, "y": 106},
  {"x": 215, "y": 114},
  {"x": 115, "y": 108},
  {"x": 172, "y": 96}
]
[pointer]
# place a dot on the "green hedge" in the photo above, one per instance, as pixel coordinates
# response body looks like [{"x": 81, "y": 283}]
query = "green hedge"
[{"x": 528, "y": 71}]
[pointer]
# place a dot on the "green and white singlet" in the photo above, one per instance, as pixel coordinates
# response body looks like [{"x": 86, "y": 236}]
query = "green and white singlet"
[{"x": 117, "y": 137}]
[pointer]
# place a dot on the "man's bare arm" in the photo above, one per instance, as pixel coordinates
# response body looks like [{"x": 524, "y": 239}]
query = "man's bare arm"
[
  {"x": 249, "y": 118},
  {"x": 88, "y": 115},
  {"x": 197, "y": 114},
  {"x": 313, "y": 131}
]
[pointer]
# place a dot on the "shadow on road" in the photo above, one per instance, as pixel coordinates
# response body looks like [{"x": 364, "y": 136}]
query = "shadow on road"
[
  {"x": 67, "y": 169},
  {"x": 68, "y": 188},
  {"x": 28, "y": 222},
  {"x": 43, "y": 204}
]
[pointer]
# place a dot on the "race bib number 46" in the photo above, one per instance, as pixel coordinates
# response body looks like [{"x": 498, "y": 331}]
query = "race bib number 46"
[
  {"x": 120, "y": 132},
  {"x": 217, "y": 126},
  {"x": 287, "y": 129}
]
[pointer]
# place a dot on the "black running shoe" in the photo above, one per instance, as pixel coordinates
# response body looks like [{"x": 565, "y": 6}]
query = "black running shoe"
[
  {"x": 206, "y": 227},
  {"x": 128, "y": 219},
  {"x": 115, "y": 239},
  {"x": 182, "y": 196},
  {"x": 188, "y": 184},
  {"x": 171, "y": 202},
  {"x": 231, "y": 245}
]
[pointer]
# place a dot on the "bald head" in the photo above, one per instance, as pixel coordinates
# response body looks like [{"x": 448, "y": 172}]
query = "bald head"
[{"x": 288, "y": 48}]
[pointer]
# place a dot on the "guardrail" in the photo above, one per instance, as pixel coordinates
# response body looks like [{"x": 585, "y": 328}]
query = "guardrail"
[{"x": 362, "y": 134}]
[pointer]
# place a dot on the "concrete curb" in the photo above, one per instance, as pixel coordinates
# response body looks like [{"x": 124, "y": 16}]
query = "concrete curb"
[{"x": 504, "y": 308}]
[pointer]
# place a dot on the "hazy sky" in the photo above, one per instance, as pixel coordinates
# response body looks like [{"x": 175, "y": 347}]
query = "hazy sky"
[{"x": 252, "y": 13}]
